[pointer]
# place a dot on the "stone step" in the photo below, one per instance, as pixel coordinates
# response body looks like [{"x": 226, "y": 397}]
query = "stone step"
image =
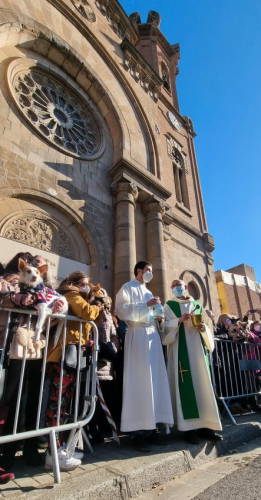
[{"x": 113, "y": 472}]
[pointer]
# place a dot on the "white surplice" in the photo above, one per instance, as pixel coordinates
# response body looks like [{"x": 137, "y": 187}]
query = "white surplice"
[
  {"x": 206, "y": 401},
  {"x": 146, "y": 395}
]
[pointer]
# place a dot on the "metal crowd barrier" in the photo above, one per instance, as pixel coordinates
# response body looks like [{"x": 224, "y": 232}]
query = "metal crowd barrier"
[
  {"x": 75, "y": 421},
  {"x": 235, "y": 367}
]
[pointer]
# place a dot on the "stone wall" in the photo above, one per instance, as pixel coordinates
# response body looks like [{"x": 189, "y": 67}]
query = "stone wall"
[{"x": 111, "y": 174}]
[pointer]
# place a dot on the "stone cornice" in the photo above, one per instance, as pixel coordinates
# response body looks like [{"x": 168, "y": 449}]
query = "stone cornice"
[
  {"x": 114, "y": 13},
  {"x": 171, "y": 218},
  {"x": 140, "y": 70},
  {"x": 147, "y": 183},
  {"x": 118, "y": 19}
]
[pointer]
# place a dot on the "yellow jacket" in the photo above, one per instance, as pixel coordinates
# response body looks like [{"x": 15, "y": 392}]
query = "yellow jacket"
[{"x": 79, "y": 307}]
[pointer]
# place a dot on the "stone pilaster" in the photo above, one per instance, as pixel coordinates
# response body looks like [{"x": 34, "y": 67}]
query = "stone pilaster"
[
  {"x": 155, "y": 245},
  {"x": 125, "y": 244}
]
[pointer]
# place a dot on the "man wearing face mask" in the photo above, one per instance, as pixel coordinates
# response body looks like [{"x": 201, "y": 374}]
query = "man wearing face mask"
[
  {"x": 193, "y": 400},
  {"x": 146, "y": 396}
]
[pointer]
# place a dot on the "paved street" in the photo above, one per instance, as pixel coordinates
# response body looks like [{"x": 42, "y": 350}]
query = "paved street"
[
  {"x": 235, "y": 476},
  {"x": 241, "y": 484}
]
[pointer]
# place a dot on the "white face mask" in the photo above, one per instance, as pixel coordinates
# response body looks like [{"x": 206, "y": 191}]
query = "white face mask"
[
  {"x": 178, "y": 290},
  {"x": 85, "y": 289},
  {"x": 147, "y": 276}
]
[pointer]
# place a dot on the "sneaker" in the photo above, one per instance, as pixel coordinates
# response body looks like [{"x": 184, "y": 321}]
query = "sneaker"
[
  {"x": 65, "y": 462},
  {"x": 5, "y": 477},
  {"x": 76, "y": 454}
]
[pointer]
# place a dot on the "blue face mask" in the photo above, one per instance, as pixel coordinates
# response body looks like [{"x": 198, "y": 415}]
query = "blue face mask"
[{"x": 178, "y": 291}]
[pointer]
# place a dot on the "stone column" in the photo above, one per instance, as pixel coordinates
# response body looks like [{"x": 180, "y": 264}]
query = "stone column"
[
  {"x": 155, "y": 248},
  {"x": 125, "y": 243}
]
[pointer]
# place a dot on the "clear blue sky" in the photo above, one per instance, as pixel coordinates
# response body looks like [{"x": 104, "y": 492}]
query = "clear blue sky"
[{"x": 219, "y": 87}]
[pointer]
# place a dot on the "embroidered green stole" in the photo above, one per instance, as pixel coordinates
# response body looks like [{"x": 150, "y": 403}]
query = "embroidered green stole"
[{"x": 186, "y": 388}]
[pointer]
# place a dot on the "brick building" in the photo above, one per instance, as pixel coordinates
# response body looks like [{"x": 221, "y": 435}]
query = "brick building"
[
  {"x": 238, "y": 290},
  {"x": 98, "y": 165}
]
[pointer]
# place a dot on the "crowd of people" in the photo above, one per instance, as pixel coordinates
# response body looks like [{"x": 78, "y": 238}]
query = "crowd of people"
[
  {"x": 143, "y": 382},
  {"x": 241, "y": 338}
]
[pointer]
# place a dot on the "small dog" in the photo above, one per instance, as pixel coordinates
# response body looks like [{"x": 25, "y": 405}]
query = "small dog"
[
  {"x": 31, "y": 281},
  {"x": 96, "y": 292},
  {"x": 238, "y": 331}
]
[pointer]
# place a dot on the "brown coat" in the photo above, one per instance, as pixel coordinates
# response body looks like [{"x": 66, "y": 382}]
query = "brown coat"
[{"x": 79, "y": 307}]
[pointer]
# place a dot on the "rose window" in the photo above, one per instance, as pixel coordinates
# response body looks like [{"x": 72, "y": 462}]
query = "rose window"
[{"x": 58, "y": 113}]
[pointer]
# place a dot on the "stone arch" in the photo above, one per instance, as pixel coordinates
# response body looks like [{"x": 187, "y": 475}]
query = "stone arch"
[
  {"x": 194, "y": 282},
  {"x": 28, "y": 33},
  {"x": 27, "y": 205}
]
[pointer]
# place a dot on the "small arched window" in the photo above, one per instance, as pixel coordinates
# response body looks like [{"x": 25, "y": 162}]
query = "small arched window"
[
  {"x": 180, "y": 178},
  {"x": 193, "y": 290},
  {"x": 165, "y": 76}
]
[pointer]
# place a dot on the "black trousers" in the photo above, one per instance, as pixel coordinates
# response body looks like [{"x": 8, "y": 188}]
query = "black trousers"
[{"x": 29, "y": 399}]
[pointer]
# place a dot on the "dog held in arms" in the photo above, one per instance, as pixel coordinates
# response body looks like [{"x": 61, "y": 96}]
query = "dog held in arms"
[{"x": 30, "y": 280}]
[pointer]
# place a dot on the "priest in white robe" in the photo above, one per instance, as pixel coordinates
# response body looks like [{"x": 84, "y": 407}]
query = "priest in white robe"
[
  {"x": 193, "y": 400},
  {"x": 146, "y": 395}
]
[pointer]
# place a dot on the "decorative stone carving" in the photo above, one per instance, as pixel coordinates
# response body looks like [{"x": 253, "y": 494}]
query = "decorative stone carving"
[
  {"x": 189, "y": 126},
  {"x": 126, "y": 191},
  {"x": 154, "y": 18},
  {"x": 112, "y": 11},
  {"x": 209, "y": 242},
  {"x": 57, "y": 113},
  {"x": 142, "y": 73},
  {"x": 135, "y": 18},
  {"x": 154, "y": 210},
  {"x": 40, "y": 232},
  {"x": 84, "y": 9},
  {"x": 176, "y": 153}
]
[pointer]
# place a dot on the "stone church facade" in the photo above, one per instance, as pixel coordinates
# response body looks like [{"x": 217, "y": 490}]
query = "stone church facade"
[{"x": 98, "y": 166}]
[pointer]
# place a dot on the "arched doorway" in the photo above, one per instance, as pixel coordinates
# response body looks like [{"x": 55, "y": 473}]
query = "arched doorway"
[{"x": 39, "y": 228}]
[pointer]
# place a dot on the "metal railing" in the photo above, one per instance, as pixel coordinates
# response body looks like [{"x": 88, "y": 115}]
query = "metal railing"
[
  {"x": 235, "y": 367},
  {"x": 75, "y": 421}
]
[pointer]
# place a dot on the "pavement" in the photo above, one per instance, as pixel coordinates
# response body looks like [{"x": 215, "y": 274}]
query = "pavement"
[
  {"x": 235, "y": 476},
  {"x": 121, "y": 473}
]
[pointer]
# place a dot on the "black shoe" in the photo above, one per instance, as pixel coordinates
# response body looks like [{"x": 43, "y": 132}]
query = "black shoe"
[
  {"x": 96, "y": 436},
  {"x": 7, "y": 461},
  {"x": 192, "y": 437},
  {"x": 32, "y": 456},
  {"x": 210, "y": 435},
  {"x": 140, "y": 444},
  {"x": 256, "y": 408},
  {"x": 8, "y": 457},
  {"x": 156, "y": 439}
]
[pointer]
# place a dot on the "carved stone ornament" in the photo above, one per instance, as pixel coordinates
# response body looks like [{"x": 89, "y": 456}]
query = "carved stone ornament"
[
  {"x": 154, "y": 210},
  {"x": 176, "y": 153},
  {"x": 126, "y": 191},
  {"x": 113, "y": 13},
  {"x": 84, "y": 9},
  {"x": 40, "y": 232},
  {"x": 59, "y": 115},
  {"x": 154, "y": 18}
]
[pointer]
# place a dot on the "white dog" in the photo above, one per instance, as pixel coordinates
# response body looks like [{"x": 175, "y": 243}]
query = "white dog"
[{"x": 31, "y": 282}]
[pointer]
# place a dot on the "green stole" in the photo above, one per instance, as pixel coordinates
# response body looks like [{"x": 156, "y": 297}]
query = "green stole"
[{"x": 186, "y": 388}]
